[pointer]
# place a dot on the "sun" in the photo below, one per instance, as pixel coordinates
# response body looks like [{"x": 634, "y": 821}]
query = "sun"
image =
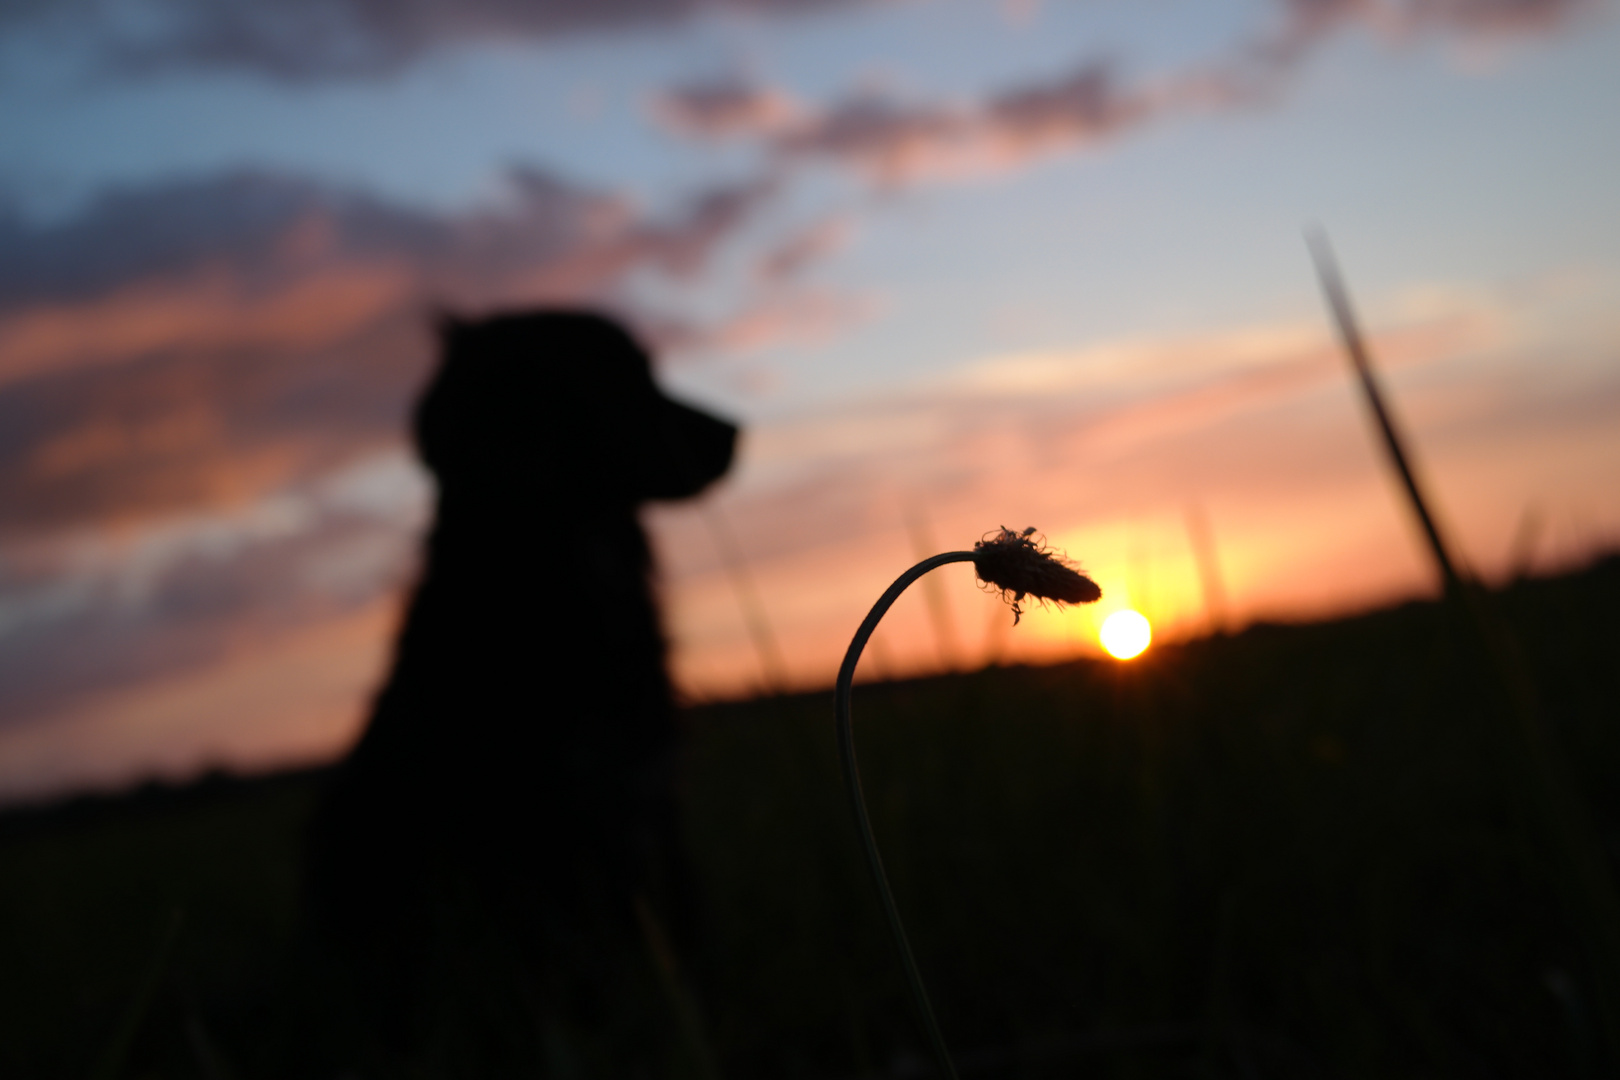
[{"x": 1125, "y": 634}]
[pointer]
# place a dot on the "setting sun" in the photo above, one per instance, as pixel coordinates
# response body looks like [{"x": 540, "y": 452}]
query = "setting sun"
[{"x": 1125, "y": 634}]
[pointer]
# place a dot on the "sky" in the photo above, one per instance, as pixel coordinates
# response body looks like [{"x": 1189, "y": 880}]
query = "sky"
[{"x": 952, "y": 264}]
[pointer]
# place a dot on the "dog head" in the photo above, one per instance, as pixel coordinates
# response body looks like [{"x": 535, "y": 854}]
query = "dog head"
[{"x": 562, "y": 403}]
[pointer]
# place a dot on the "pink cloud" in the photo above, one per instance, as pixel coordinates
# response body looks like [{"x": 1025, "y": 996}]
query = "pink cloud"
[
  {"x": 802, "y": 316},
  {"x": 1462, "y": 16},
  {"x": 271, "y": 329},
  {"x": 211, "y": 309},
  {"x": 1305, "y": 23},
  {"x": 724, "y": 109},
  {"x": 896, "y": 142},
  {"x": 1086, "y": 105},
  {"x": 806, "y": 247}
]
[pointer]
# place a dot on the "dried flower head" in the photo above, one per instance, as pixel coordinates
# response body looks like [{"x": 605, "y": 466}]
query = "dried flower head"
[{"x": 1020, "y": 565}]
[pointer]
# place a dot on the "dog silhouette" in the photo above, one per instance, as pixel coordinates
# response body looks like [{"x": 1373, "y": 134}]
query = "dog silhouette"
[{"x": 494, "y": 854}]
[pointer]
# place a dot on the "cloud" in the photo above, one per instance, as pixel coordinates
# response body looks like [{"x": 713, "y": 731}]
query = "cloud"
[
  {"x": 724, "y": 108},
  {"x": 88, "y": 611},
  {"x": 892, "y": 141},
  {"x": 806, "y": 247},
  {"x": 304, "y": 40},
  {"x": 1305, "y": 23},
  {"x": 308, "y": 40},
  {"x": 202, "y": 342},
  {"x": 799, "y": 316},
  {"x": 1460, "y": 16},
  {"x": 1021, "y": 420},
  {"x": 1085, "y": 105},
  {"x": 264, "y": 229},
  {"x": 896, "y": 142}
]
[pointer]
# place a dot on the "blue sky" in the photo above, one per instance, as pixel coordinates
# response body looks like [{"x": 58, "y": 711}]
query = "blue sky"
[{"x": 958, "y": 263}]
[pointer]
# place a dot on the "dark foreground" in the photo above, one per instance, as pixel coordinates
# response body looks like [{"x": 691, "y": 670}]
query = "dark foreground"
[{"x": 1289, "y": 852}]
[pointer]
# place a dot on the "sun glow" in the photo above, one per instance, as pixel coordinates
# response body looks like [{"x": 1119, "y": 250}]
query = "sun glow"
[{"x": 1125, "y": 634}]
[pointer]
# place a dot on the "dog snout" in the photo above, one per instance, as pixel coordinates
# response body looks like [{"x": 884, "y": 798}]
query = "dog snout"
[{"x": 696, "y": 450}]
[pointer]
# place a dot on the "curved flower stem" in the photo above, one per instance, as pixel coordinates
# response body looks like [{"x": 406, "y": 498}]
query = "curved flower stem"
[{"x": 852, "y": 779}]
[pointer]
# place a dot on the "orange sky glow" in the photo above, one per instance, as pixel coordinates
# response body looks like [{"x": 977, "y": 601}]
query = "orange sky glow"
[
  {"x": 952, "y": 266},
  {"x": 1257, "y": 429}
]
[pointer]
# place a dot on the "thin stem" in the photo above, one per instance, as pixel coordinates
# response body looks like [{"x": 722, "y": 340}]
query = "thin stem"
[
  {"x": 1327, "y": 271},
  {"x": 742, "y": 583},
  {"x": 1541, "y": 776},
  {"x": 852, "y": 779}
]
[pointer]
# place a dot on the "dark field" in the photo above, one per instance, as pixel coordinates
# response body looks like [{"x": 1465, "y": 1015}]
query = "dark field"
[{"x": 1289, "y": 852}]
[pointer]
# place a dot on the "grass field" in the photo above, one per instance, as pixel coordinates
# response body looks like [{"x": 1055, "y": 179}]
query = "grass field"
[{"x": 1288, "y": 852}]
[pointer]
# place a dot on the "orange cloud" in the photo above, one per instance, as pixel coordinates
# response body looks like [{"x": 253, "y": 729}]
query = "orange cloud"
[
  {"x": 202, "y": 343},
  {"x": 211, "y": 309}
]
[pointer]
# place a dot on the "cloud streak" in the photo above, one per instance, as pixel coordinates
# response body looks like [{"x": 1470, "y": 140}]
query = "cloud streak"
[
  {"x": 895, "y": 142},
  {"x": 308, "y": 40},
  {"x": 200, "y": 343},
  {"x": 312, "y": 40},
  {"x": 724, "y": 108},
  {"x": 86, "y": 613}
]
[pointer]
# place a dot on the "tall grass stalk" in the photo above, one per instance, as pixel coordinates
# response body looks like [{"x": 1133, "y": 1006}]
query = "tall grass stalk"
[
  {"x": 771, "y": 664},
  {"x": 1543, "y": 782},
  {"x": 1018, "y": 566}
]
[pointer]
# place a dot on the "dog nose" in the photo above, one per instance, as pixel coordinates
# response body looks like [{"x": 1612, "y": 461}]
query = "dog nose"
[{"x": 696, "y": 450}]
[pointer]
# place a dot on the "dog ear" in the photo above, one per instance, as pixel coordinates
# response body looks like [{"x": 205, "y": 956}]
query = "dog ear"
[
  {"x": 435, "y": 422},
  {"x": 446, "y": 324}
]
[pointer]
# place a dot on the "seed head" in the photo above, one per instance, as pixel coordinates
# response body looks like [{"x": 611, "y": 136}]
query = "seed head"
[{"x": 1020, "y": 565}]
